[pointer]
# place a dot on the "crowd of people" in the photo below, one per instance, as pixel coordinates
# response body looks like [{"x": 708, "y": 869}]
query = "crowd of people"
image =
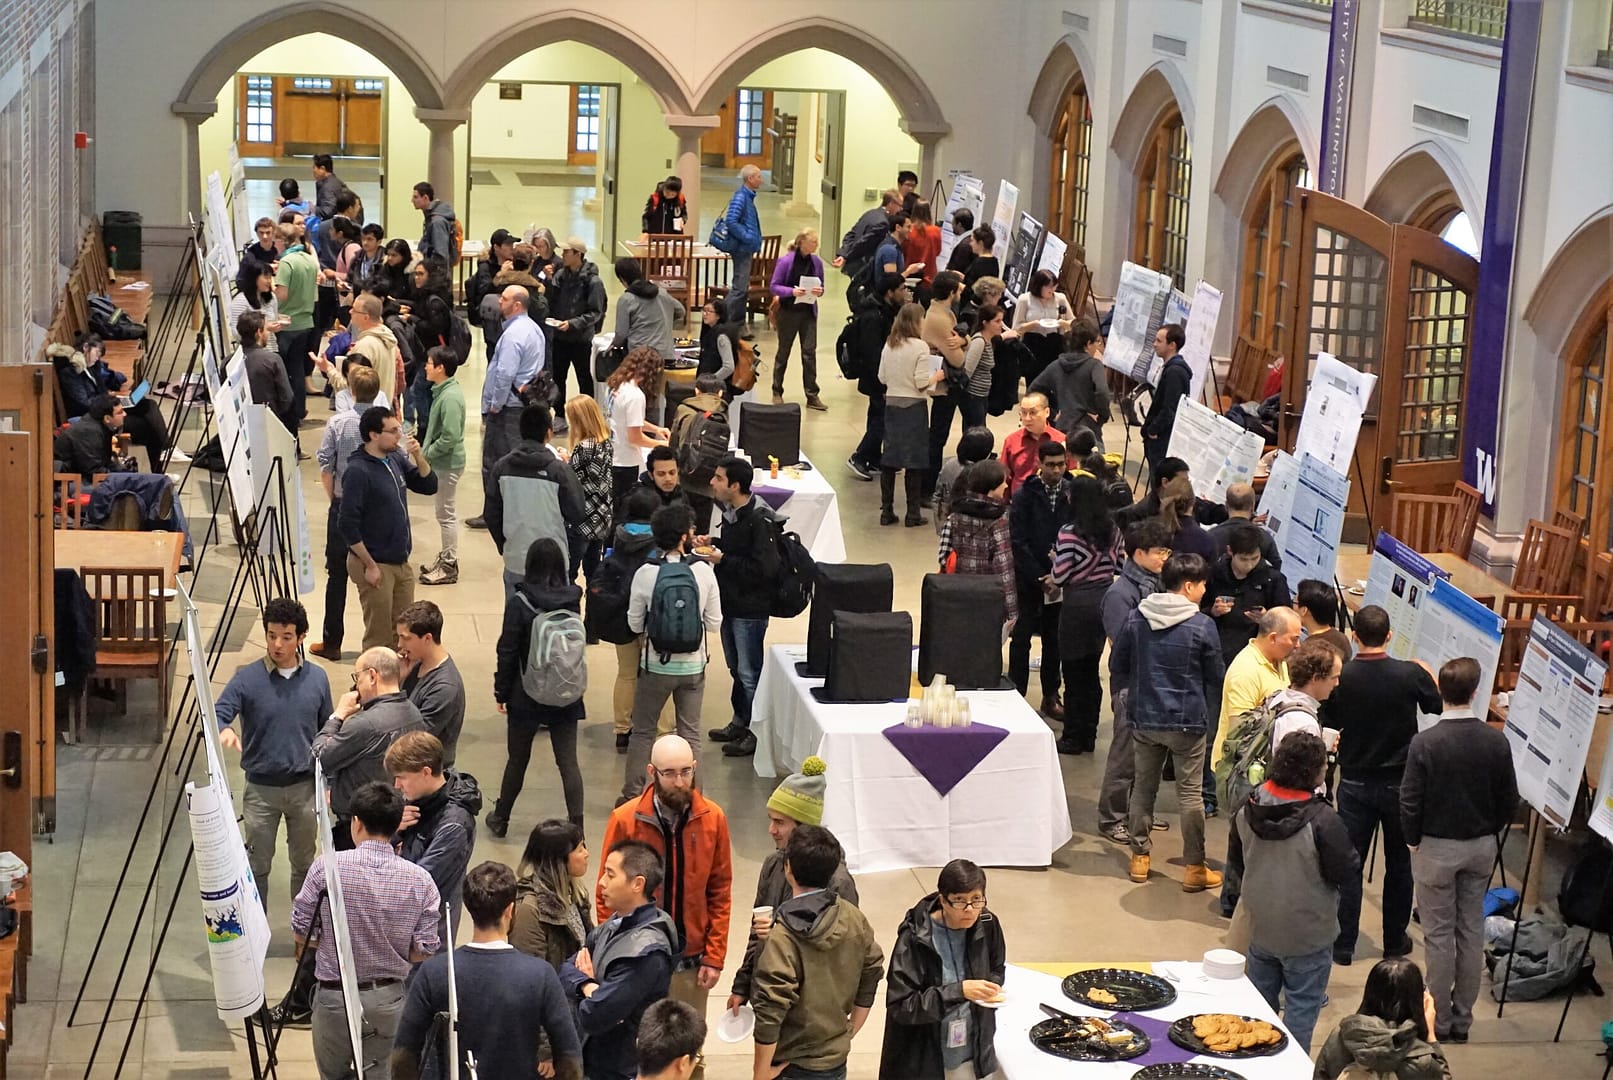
[{"x": 642, "y": 531}]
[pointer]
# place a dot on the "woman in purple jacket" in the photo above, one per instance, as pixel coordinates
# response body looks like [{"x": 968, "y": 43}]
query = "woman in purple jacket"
[{"x": 798, "y": 314}]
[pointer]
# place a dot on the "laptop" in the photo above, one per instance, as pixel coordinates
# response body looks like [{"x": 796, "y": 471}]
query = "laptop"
[{"x": 140, "y": 392}]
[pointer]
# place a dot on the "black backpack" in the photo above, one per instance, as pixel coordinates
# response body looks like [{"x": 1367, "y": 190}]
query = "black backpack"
[
  {"x": 1586, "y": 898},
  {"x": 798, "y": 572},
  {"x": 459, "y": 337},
  {"x": 701, "y": 442},
  {"x": 845, "y": 345},
  {"x": 608, "y": 593}
]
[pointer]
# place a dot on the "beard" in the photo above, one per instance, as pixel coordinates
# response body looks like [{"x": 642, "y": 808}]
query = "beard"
[{"x": 676, "y": 799}]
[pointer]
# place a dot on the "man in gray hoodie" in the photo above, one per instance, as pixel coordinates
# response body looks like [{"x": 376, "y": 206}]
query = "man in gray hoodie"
[
  {"x": 1076, "y": 384},
  {"x": 1169, "y": 655},
  {"x": 437, "y": 235}
]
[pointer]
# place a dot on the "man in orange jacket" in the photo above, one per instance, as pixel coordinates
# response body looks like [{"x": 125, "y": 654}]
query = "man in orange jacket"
[{"x": 691, "y": 834}]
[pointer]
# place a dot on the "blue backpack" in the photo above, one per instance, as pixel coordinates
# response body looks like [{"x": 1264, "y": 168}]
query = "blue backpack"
[{"x": 674, "y": 624}]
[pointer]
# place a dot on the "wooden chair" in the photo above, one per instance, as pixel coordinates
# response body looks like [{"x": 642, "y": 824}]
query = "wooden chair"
[
  {"x": 761, "y": 276},
  {"x": 73, "y": 498},
  {"x": 668, "y": 259},
  {"x": 1423, "y": 521},
  {"x": 1466, "y": 520},
  {"x": 1559, "y": 609},
  {"x": 1598, "y": 586},
  {"x": 131, "y": 629},
  {"x": 1546, "y": 560},
  {"x": 1514, "y": 640},
  {"x": 1574, "y": 523}
]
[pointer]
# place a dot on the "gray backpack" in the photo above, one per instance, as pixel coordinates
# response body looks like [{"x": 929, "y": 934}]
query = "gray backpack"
[{"x": 556, "y": 671}]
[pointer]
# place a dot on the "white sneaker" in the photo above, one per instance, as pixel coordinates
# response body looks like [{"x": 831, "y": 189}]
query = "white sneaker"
[{"x": 178, "y": 457}]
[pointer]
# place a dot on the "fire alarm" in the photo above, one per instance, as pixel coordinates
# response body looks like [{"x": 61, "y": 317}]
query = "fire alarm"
[{"x": 81, "y": 140}]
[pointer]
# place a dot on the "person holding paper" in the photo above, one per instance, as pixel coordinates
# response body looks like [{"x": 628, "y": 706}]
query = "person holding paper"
[
  {"x": 797, "y": 284},
  {"x": 1175, "y": 383},
  {"x": 1459, "y": 791},
  {"x": 1042, "y": 316}
]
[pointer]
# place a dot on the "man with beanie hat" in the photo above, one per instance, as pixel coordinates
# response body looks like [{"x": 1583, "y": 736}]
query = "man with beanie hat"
[{"x": 796, "y": 801}]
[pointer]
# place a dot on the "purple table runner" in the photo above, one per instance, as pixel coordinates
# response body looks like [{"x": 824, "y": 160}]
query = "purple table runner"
[
  {"x": 1162, "y": 1050},
  {"x": 774, "y": 497},
  {"x": 944, "y": 756}
]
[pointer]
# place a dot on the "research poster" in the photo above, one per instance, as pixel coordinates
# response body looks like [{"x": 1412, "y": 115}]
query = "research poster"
[
  {"x": 1139, "y": 310},
  {"x": 1551, "y": 719},
  {"x": 1052, "y": 260},
  {"x": 220, "y": 231},
  {"x": 1002, "y": 217},
  {"x": 968, "y": 192},
  {"x": 1218, "y": 452},
  {"x": 1277, "y": 500},
  {"x": 1602, "y": 811},
  {"x": 1400, "y": 581},
  {"x": 1334, "y": 405},
  {"x": 1200, "y": 327},
  {"x": 1177, "y": 310},
  {"x": 1022, "y": 254},
  {"x": 1306, "y": 517},
  {"x": 239, "y": 211},
  {"x": 1453, "y": 624}
]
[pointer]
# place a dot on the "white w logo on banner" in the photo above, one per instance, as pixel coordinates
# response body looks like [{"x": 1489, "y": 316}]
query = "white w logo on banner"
[{"x": 1485, "y": 476}]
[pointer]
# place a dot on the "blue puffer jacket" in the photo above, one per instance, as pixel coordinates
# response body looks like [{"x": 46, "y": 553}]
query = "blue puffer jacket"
[
  {"x": 1170, "y": 656},
  {"x": 743, "y": 223}
]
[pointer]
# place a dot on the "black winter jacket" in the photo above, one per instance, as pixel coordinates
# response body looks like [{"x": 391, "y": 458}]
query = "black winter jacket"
[
  {"x": 870, "y": 326},
  {"x": 578, "y": 297},
  {"x": 440, "y": 842},
  {"x": 1265, "y": 587},
  {"x": 916, "y": 1000},
  {"x": 515, "y": 645},
  {"x": 1033, "y": 526},
  {"x": 747, "y": 576},
  {"x": 1175, "y": 383}
]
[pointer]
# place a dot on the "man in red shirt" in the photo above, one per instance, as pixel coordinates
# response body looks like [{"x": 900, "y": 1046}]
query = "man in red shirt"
[{"x": 1020, "y": 448}]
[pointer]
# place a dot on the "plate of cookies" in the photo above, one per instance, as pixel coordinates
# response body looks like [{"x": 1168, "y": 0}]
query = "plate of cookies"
[
  {"x": 1118, "y": 988},
  {"x": 1228, "y": 1036}
]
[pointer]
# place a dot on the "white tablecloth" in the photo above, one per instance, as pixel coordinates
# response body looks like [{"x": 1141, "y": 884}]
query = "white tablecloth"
[
  {"x": 811, "y": 505},
  {"x": 1010, "y": 811},
  {"x": 1018, "y": 1059}
]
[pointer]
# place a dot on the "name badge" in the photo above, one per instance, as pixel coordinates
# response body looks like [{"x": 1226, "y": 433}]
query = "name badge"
[{"x": 957, "y": 1033}]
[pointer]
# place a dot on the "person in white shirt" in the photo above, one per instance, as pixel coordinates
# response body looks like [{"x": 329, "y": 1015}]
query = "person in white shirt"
[
  {"x": 632, "y": 384},
  {"x": 663, "y": 670}
]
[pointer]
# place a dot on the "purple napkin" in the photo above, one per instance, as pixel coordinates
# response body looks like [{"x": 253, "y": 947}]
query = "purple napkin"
[
  {"x": 774, "y": 497},
  {"x": 1162, "y": 1051},
  {"x": 944, "y": 756}
]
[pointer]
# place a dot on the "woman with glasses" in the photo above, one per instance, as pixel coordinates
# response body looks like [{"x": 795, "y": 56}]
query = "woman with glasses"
[{"x": 949, "y": 956}]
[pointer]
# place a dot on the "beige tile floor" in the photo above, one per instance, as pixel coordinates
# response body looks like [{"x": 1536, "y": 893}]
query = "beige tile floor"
[{"x": 1081, "y": 908}]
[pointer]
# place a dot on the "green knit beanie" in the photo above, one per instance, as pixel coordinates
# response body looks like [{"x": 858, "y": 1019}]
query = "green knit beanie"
[{"x": 800, "y": 796}]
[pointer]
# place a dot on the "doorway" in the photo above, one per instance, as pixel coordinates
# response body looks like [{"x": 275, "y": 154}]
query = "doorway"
[
  {"x": 282, "y": 121},
  {"x": 545, "y": 155}
]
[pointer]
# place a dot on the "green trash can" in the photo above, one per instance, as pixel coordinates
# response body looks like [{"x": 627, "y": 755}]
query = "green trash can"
[{"x": 121, "y": 229}]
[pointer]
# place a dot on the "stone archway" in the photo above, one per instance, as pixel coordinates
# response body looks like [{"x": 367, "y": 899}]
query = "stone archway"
[
  {"x": 1069, "y": 60},
  {"x": 1419, "y": 180},
  {"x": 1578, "y": 270},
  {"x": 1161, "y": 89}
]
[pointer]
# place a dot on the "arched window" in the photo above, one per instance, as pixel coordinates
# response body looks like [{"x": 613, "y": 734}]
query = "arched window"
[
  {"x": 1164, "y": 179},
  {"x": 1584, "y": 469},
  {"x": 1263, "y": 299},
  {"x": 1072, "y": 166}
]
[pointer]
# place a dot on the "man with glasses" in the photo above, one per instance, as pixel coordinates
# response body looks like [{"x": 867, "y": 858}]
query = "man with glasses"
[
  {"x": 690, "y": 832},
  {"x": 374, "y": 521},
  {"x": 353, "y": 744}
]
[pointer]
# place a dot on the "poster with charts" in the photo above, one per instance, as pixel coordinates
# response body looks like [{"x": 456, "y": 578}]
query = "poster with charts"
[
  {"x": 1218, "y": 452},
  {"x": 1022, "y": 254},
  {"x": 1139, "y": 310},
  {"x": 219, "y": 228},
  {"x": 1306, "y": 517},
  {"x": 1335, "y": 401},
  {"x": 968, "y": 192},
  {"x": 1454, "y": 624},
  {"x": 1002, "y": 217},
  {"x": 1400, "y": 581},
  {"x": 1177, "y": 309},
  {"x": 1551, "y": 718},
  {"x": 1052, "y": 259},
  {"x": 1602, "y": 811},
  {"x": 239, "y": 211}
]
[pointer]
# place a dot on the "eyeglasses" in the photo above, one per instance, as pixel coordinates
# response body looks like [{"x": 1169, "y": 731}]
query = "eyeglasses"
[
  {"x": 965, "y": 905},
  {"x": 685, "y": 773},
  {"x": 354, "y": 676}
]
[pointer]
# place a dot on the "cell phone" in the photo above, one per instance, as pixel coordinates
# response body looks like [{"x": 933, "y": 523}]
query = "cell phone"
[{"x": 1254, "y": 612}]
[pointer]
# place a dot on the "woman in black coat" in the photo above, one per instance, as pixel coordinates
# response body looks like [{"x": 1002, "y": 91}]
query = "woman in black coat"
[
  {"x": 949, "y": 956},
  {"x": 545, "y": 588}
]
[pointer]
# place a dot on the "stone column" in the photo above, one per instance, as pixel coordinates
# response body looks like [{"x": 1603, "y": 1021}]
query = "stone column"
[
  {"x": 440, "y": 171},
  {"x": 689, "y": 129},
  {"x": 194, "y": 114}
]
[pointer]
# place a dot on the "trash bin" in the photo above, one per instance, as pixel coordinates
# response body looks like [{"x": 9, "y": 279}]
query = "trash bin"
[{"x": 121, "y": 229}]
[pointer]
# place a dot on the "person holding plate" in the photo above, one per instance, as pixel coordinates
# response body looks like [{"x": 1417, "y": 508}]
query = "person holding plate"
[{"x": 946, "y": 975}]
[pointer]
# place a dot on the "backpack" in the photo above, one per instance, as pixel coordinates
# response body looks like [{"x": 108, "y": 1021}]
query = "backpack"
[
  {"x": 459, "y": 337},
  {"x": 747, "y": 362},
  {"x": 722, "y": 237},
  {"x": 487, "y": 310},
  {"x": 1586, "y": 897},
  {"x": 673, "y": 624},
  {"x": 845, "y": 346},
  {"x": 556, "y": 671},
  {"x": 608, "y": 594},
  {"x": 701, "y": 441},
  {"x": 798, "y": 572},
  {"x": 1247, "y": 745},
  {"x": 111, "y": 322},
  {"x": 406, "y": 346}
]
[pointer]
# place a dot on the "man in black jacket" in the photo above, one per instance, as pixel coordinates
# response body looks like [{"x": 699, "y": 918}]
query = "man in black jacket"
[
  {"x": 1459, "y": 791},
  {"x": 1033, "y": 525},
  {"x": 870, "y": 326},
  {"x": 439, "y": 820},
  {"x": 1175, "y": 383},
  {"x": 85, "y": 446},
  {"x": 746, "y": 561},
  {"x": 857, "y": 247},
  {"x": 1242, "y": 586}
]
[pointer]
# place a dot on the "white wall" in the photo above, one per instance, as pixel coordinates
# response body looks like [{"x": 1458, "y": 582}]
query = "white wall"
[{"x": 535, "y": 128}]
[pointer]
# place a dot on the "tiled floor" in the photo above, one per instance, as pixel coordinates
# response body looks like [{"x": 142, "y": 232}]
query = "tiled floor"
[{"x": 1081, "y": 908}]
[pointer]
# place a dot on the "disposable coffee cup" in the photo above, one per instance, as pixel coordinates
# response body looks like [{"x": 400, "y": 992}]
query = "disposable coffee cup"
[{"x": 759, "y": 913}]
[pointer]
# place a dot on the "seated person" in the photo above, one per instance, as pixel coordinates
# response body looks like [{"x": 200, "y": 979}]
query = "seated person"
[
  {"x": 86, "y": 445},
  {"x": 84, "y": 375}
]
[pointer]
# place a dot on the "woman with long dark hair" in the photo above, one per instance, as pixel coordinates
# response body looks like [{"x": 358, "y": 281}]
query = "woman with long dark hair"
[
  {"x": 431, "y": 317},
  {"x": 392, "y": 281},
  {"x": 1176, "y": 507},
  {"x": 1041, "y": 303},
  {"x": 975, "y": 538},
  {"x": 1086, "y": 557},
  {"x": 254, "y": 291},
  {"x": 1391, "y": 1034},
  {"x": 545, "y": 588},
  {"x": 553, "y": 905}
]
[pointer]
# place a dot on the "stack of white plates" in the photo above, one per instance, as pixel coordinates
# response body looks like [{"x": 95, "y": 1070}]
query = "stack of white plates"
[{"x": 1223, "y": 964}]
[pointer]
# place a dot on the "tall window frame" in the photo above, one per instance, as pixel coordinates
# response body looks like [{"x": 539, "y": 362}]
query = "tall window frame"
[
  {"x": 1071, "y": 165},
  {"x": 586, "y": 100},
  {"x": 1584, "y": 467},
  {"x": 1164, "y": 188},
  {"x": 1263, "y": 299},
  {"x": 750, "y": 117},
  {"x": 259, "y": 117}
]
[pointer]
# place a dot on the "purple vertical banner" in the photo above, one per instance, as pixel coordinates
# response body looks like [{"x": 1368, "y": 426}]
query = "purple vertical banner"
[
  {"x": 1487, "y": 344},
  {"x": 1336, "y": 102}
]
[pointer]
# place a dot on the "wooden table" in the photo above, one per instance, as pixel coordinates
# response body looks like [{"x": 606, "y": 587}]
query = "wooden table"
[
  {"x": 708, "y": 268},
  {"x": 1354, "y": 566},
  {"x": 80, "y": 548}
]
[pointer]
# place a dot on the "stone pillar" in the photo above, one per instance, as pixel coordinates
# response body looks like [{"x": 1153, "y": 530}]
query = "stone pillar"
[
  {"x": 689, "y": 129},
  {"x": 440, "y": 171},
  {"x": 194, "y": 114}
]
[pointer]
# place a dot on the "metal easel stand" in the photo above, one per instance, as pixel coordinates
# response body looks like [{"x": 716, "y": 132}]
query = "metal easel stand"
[{"x": 1536, "y": 827}]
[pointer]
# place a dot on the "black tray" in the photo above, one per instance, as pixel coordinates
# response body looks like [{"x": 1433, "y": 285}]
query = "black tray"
[
  {"x": 1181, "y": 1033},
  {"x": 1185, "y": 1070},
  {"x": 1049, "y": 1029},
  {"x": 1134, "y": 990}
]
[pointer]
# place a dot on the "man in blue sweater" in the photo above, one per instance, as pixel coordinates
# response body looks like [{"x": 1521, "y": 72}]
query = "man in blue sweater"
[
  {"x": 508, "y": 1001},
  {"x": 281, "y": 702}
]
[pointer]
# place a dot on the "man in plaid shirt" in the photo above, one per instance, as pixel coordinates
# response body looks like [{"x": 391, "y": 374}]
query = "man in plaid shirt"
[{"x": 392, "y": 914}]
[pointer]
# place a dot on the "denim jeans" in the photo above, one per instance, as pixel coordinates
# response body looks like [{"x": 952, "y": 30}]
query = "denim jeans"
[
  {"x": 1294, "y": 985},
  {"x": 739, "y": 287},
  {"x": 742, "y": 649},
  {"x": 1365, "y": 805}
]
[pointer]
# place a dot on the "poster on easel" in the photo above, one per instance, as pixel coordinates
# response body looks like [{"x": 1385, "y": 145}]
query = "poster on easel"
[
  {"x": 1052, "y": 259},
  {"x": 1202, "y": 318},
  {"x": 338, "y": 920},
  {"x": 1218, "y": 452},
  {"x": 1139, "y": 311},
  {"x": 968, "y": 192},
  {"x": 1602, "y": 810},
  {"x": 1400, "y": 581},
  {"x": 1177, "y": 309},
  {"x": 1022, "y": 252},
  {"x": 240, "y": 213},
  {"x": 1551, "y": 719},
  {"x": 1002, "y": 217},
  {"x": 220, "y": 229},
  {"x": 1453, "y": 624},
  {"x": 1305, "y": 503},
  {"x": 1335, "y": 402}
]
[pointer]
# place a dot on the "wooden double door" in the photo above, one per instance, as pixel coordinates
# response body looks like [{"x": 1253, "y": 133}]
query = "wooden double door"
[{"x": 1396, "y": 301}]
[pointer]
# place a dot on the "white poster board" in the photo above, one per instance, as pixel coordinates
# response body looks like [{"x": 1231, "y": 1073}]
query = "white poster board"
[
  {"x": 967, "y": 192},
  {"x": 237, "y": 930},
  {"x": 1022, "y": 255},
  {"x": 1200, "y": 327},
  {"x": 1400, "y": 581},
  {"x": 1277, "y": 500},
  {"x": 1177, "y": 309},
  {"x": 1454, "y": 624},
  {"x": 219, "y": 228},
  {"x": 338, "y": 920},
  {"x": 1052, "y": 259},
  {"x": 1334, "y": 404},
  {"x": 1139, "y": 310},
  {"x": 278, "y": 445},
  {"x": 1218, "y": 452},
  {"x": 1551, "y": 719},
  {"x": 1602, "y": 812},
  {"x": 1002, "y": 217},
  {"x": 239, "y": 212},
  {"x": 1307, "y": 519}
]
